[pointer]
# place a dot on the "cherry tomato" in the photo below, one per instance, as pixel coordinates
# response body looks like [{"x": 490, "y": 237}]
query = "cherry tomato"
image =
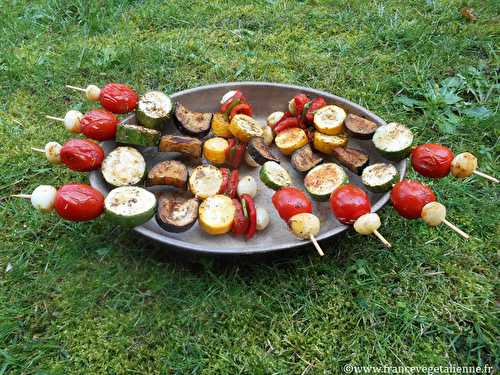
[
  {"x": 79, "y": 202},
  {"x": 316, "y": 104},
  {"x": 409, "y": 197},
  {"x": 118, "y": 98},
  {"x": 82, "y": 155},
  {"x": 349, "y": 202},
  {"x": 432, "y": 160},
  {"x": 241, "y": 108},
  {"x": 291, "y": 122},
  {"x": 99, "y": 124},
  {"x": 291, "y": 201},
  {"x": 285, "y": 116}
]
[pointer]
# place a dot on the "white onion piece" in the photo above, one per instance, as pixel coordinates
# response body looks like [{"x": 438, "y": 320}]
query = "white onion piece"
[
  {"x": 274, "y": 117},
  {"x": 44, "y": 197},
  {"x": 247, "y": 185},
  {"x": 262, "y": 218},
  {"x": 367, "y": 223},
  {"x": 268, "y": 135},
  {"x": 227, "y": 96},
  {"x": 72, "y": 121},
  {"x": 433, "y": 213},
  {"x": 291, "y": 107},
  {"x": 92, "y": 92},
  {"x": 53, "y": 152}
]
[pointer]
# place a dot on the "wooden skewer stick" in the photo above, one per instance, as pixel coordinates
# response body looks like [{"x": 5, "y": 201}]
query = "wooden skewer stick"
[
  {"x": 381, "y": 238},
  {"x": 456, "y": 229},
  {"x": 487, "y": 176},
  {"x": 75, "y": 88},
  {"x": 38, "y": 150},
  {"x": 316, "y": 245},
  {"x": 25, "y": 196},
  {"x": 54, "y": 118}
]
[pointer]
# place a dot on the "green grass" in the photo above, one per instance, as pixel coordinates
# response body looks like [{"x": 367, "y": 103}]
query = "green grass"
[{"x": 93, "y": 298}]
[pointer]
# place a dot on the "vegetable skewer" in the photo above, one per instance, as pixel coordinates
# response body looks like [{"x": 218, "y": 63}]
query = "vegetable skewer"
[
  {"x": 115, "y": 97},
  {"x": 97, "y": 124},
  {"x": 434, "y": 213},
  {"x": 71, "y": 120},
  {"x": 465, "y": 164}
]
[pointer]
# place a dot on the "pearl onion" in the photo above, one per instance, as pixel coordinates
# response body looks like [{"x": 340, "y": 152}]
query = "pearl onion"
[
  {"x": 274, "y": 117},
  {"x": 72, "y": 121},
  {"x": 227, "y": 96},
  {"x": 247, "y": 185},
  {"x": 463, "y": 165},
  {"x": 291, "y": 107},
  {"x": 262, "y": 218},
  {"x": 304, "y": 225},
  {"x": 53, "y": 152},
  {"x": 92, "y": 93},
  {"x": 268, "y": 135},
  {"x": 367, "y": 223},
  {"x": 433, "y": 213},
  {"x": 44, "y": 197}
]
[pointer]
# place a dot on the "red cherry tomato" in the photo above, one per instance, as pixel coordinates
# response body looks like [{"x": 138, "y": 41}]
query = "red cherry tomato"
[
  {"x": 409, "y": 197},
  {"x": 79, "y": 202},
  {"x": 349, "y": 202},
  {"x": 241, "y": 108},
  {"x": 118, "y": 98},
  {"x": 82, "y": 155},
  {"x": 432, "y": 160},
  {"x": 291, "y": 201},
  {"x": 99, "y": 124},
  {"x": 316, "y": 104},
  {"x": 291, "y": 122}
]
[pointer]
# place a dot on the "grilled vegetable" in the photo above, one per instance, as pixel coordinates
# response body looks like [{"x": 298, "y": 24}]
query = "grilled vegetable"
[
  {"x": 290, "y": 140},
  {"x": 130, "y": 206},
  {"x": 248, "y": 203},
  {"x": 43, "y": 198},
  {"x": 304, "y": 225},
  {"x": 153, "y": 110},
  {"x": 177, "y": 211},
  {"x": 230, "y": 100},
  {"x": 123, "y": 166},
  {"x": 235, "y": 153},
  {"x": 129, "y": 134},
  {"x": 348, "y": 203},
  {"x": 433, "y": 213},
  {"x": 352, "y": 159},
  {"x": 463, "y": 165},
  {"x": 244, "y": 128},
  {"x": 249, "y": 160},
  {"x": 409, "y": 197},
  {"x": 380, "y": 177},
  {"x": 82, "y": 155},
  {"x": 260, "y": 152},
  {"x": 169, "y": 172},
  {"x": 329, "y": 120},
  {"x": 226, "y": 174},
  {"x": 118, "y": 98},
  {"x": 79, "y": 202},
  {"x": 72, "y": 121},
  {"x": 393, "y": 141},
  {"x": 287, "y": 123},
  {"x": 220, "y": 125},
  {"x": 273, "y": 118},
  {"x": 99, "y": 124},
  {"x": 291, "y": 201},
  {"x": 53, "y": 152},
  {"x": 262, "y": 218},
  {"x": 247, "y": 185},
  {"x": 214, "y": 150},
  {"x": 216, "y": 214},
  {"x": 241, "y": 221},
  {"x": 185, "y": 145},
  {"x": 359, "y": 127},
  {"x": 205, "y": 181},
  {"x": 326, "y": 143},
  {"x": 367, "y": 224},
  {"x": 196, "y": 124},
  {"x": 267, "y": 134},
  {"x": 305, "y": 159},
  {"x": 432, "y": 160},
  {"x": 241, "y": 109},
  {"x": 274, "y": 175},
  {"x": 324, "y": 179},
  {"x": 311, "y": 108},
  {"x": 232, "y": 187}
]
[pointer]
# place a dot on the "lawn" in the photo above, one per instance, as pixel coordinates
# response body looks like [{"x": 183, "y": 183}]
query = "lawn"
[{"x": 92, "y": 298}]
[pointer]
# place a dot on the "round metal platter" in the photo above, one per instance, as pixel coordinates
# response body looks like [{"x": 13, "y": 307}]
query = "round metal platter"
[{"x": 265, "y": 98}]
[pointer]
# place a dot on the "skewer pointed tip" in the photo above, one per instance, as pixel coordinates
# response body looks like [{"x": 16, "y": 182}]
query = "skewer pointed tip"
[
  {"x": 24, "y": 196},
  {"x": 37, "y": 149},
  {"x": 487, "y": 176},
  {"x": 456, "y": 229},
  {"x": 316, "y": 245}
]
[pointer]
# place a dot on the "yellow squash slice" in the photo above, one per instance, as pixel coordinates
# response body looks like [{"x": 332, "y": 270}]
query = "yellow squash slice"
[
  {"x": 290, "y": 140},
  {"x": 216, "y": 214},
  {"x": 329, "y": 120},
  {"x": 244, "y": 127},
  {"x": 326, "y": 143},
  {"x": 220, "y": 125},
  {"x": 214, "y": 150}
]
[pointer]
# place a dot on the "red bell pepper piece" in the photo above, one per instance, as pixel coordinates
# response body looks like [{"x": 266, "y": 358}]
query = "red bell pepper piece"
[
  {"x": 284, "y": 117},
  {"x": 225, "y": 180},
  {"x": 240, "y": 222},
  {"x": 291, "y": 122},
  {"x": 235, "y": 153},
  {"x": 300, "y": 101},
  {"x": 316, "y": 104},
  {"x": 233, "y": 184},
  {"x": 235, "y": 99},
  {"x": 241, "y": 108},
  {"x": 252, "y": 215}
]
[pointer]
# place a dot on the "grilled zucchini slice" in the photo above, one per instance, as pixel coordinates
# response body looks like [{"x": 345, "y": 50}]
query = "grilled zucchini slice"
[
  {"x": 380, "y": 177},
  {"x": 123, "y": 166},
  {"x": 290, "y": 140},
  {"x": 137, "y": 135},
  {"x": 324, "y": 179},
  {"x": 244, "y": 127},
  {"x": 393, "y": 141},
  {"x": 274, "y": 175},
  {"x": 130, "y": 206},
  {"x": 326, "y": 143},
  {"x": 329, "y": 120},
  {"x": 205, "y": 181},
  {"x": 216, "y": 214},
  {"x": 153, "y": 110}
]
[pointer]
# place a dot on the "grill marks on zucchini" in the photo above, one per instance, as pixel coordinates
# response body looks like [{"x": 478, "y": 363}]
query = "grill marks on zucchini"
[
  {"x": 380, "y": 177},
  {"x": 185, "y": 145},
  {"x": 153, "y": 109},
  {"x": 192, "y": 123},
  {"x": 177, "y": 211},
  {"x": 353, "y": 159},
  {"x": 359, "y": 127},
  {"x": 260, "y": 151},
  {"x": 393, "y": 141},
  {"x": 305, "y": 159},
  {"x": 169, "y": 172},
  {"x": 137, "y": 135},
  {"x": 130, "y": 205},
  {"x": 322, "y": 180},
  {"x": 123, "y": 166}
]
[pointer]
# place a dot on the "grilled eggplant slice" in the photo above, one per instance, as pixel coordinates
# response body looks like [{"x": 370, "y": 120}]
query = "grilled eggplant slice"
[
  {"x": 185, "y": 145},
  {"x": 169, "y": 172},
  {"x": 260, "y": 152},
  {"x": 192, "y": 123},
  {"x": 351, "y": 158},
  {"x": 177, "y": 211},
  {"x": 359, "y": 127},
  {"x": 305, "y": 159}
]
